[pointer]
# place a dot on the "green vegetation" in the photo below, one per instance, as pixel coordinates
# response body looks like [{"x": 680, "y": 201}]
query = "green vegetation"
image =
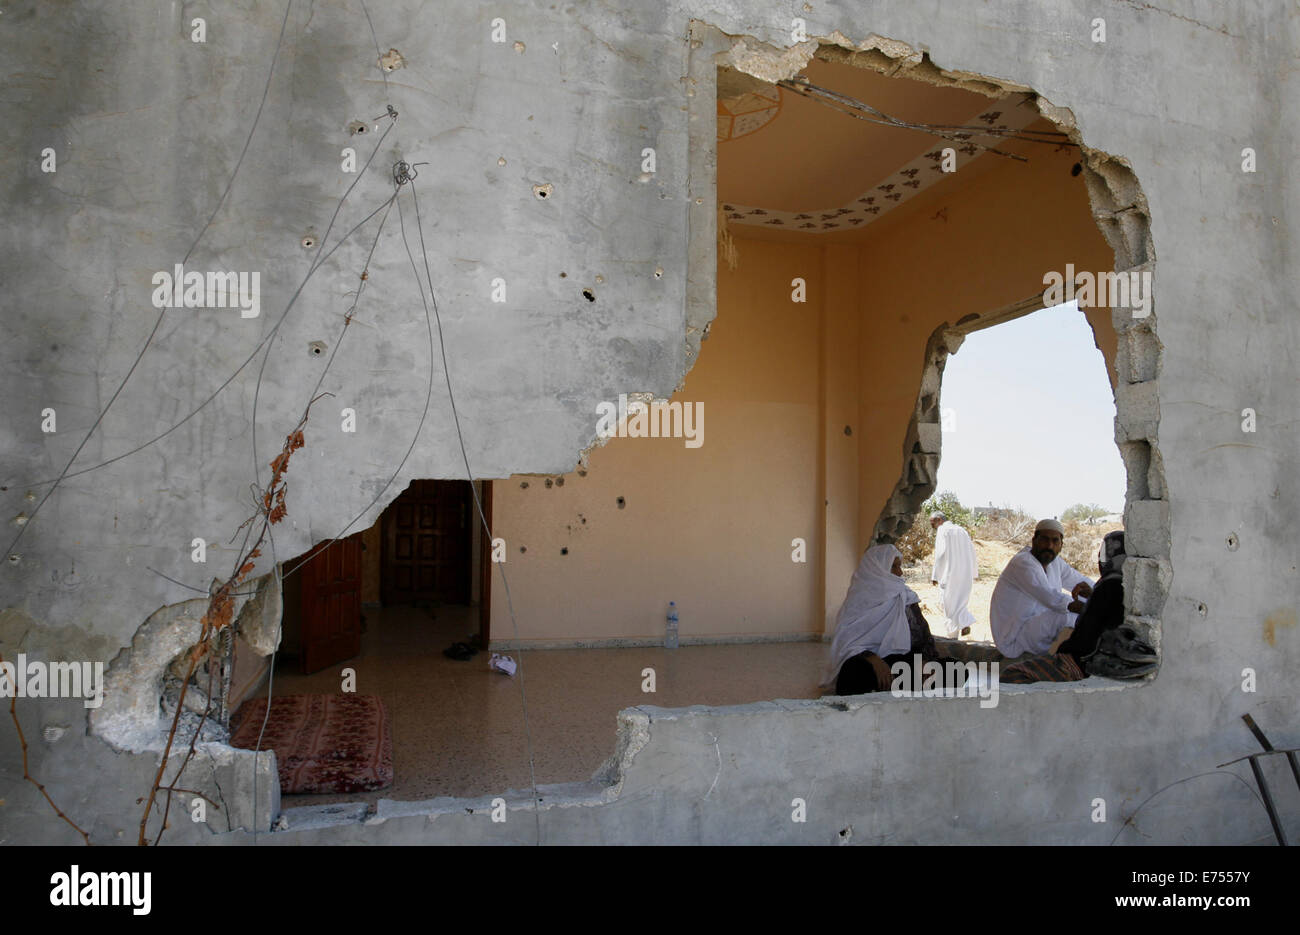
[
  {"x": 948, "y": 504},
  {"x": 1084, "y": 513}
]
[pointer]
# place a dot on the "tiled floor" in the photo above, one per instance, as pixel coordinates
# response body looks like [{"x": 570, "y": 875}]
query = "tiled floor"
[{"x": 458, "y": 727}]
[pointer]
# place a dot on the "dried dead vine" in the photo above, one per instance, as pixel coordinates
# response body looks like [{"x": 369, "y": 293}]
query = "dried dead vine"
[{"x": 270, "y": 510}]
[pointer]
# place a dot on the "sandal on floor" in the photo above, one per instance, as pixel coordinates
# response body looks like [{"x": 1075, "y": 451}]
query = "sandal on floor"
[
  {"x": 459, "y": 651},
  {"x": 1123, "y": 643},
  {"x": 1112, "y": 667}
]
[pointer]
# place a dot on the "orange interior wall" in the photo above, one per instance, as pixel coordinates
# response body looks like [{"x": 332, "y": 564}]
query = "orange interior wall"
[{"x": 708, "y": 527}]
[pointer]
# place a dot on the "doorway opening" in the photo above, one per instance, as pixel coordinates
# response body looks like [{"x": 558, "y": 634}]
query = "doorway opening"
[{"x": 368, "y": 622}]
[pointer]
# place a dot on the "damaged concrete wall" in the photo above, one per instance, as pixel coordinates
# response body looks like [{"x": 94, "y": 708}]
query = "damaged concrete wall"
[{"x": 146, "y": 126}]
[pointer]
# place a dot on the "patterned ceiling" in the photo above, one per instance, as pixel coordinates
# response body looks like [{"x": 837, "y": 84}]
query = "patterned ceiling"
[
  {"x": 898, "y": 186},
  {"x": 786, "y": 162}
]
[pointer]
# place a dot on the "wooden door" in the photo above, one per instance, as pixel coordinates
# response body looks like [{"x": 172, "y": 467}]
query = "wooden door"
[
  {"x": 330, "y": 585},
  {"x": 427, "y": 544}
]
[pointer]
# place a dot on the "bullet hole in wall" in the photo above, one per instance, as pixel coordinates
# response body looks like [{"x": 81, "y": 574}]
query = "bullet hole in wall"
[
  {"x": 564, "y": 550},
  {"x": 391, "y": 60},
  {"x": 1202, "y": 610},
  {"x": 549, "y": 482},
  {"x": 542, "y": 192},
  {"x": 308, "y": 241},
  {"x": 1076, "y": 169},
  {"x": 523, "y": 485},
  {"x": 1232, "y": 542},
  {"x": 563, "y": 274},
  {"x": 357, "y": 128},
  {"x": 599, "y": 279},
  {"x": 621, "y": 503},
  {"x": 589, "y": 295},
  {"x": 316, "y": 348},
  {"x": 581, "y": 472},
  {"x": 559, "y": 482},
  {"x": 520, "y": 47},
  {"x": 501, "y": 161},
  {"x": 659, "y": 272},
  {"x": 523, "y": 548},
  {"x": 848, "y": 430}
]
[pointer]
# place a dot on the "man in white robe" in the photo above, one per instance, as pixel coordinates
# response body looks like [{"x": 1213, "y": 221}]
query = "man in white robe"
[
  {"x": 1030, "y": 607},
  {"x": 955, "y": 570}
]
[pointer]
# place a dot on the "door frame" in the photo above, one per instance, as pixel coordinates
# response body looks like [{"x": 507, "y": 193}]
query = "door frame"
[
  {"x": 467, "y": 544},
  {"x": 485, "y": 569}
]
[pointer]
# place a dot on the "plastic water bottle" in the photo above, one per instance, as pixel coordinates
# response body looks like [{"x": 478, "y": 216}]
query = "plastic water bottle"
[{"x": 670, "y": 638}]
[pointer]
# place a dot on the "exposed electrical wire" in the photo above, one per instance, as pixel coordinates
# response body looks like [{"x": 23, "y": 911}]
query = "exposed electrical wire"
[
  {"x": 487, "y": 530},
  {"x": 269, "y": 343},
  {"x": 403, "y": 174},
  {"x": 270, "y": 679},
  {"x": 1129, "y": 819},
  {"x": 378, "y": 52},
  {"x": 317, "y": 263},
  {"x": 275, "y": 564},
  {"x": 266, "y": 88}
]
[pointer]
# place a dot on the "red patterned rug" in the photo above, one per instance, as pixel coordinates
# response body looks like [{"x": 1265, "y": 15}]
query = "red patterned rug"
[{"x": 322, "y": 743}]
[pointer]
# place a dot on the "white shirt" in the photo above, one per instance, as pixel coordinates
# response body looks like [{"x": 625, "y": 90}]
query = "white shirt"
[{"x": 1030, "y": 603}]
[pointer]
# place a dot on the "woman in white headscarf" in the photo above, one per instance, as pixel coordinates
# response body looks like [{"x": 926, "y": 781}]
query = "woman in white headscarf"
[{"x": 880, "y": 618}]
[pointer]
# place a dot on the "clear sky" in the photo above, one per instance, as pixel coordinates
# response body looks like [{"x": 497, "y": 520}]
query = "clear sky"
[{"x": 1031, "y": 420}]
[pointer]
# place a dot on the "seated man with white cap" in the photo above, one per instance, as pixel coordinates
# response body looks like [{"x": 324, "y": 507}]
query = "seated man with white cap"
[{"x": 1030, "y": 607}]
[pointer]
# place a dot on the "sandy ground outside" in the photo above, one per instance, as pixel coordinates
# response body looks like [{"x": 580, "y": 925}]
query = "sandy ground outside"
[{"x": 992, "y": 557}]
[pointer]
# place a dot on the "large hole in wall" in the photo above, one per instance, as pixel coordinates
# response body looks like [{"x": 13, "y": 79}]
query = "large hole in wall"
[
  {"x": 852, "y": 257},
  {"x": 848, "y": 268},
  {"x": 849, "y": 264}
]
